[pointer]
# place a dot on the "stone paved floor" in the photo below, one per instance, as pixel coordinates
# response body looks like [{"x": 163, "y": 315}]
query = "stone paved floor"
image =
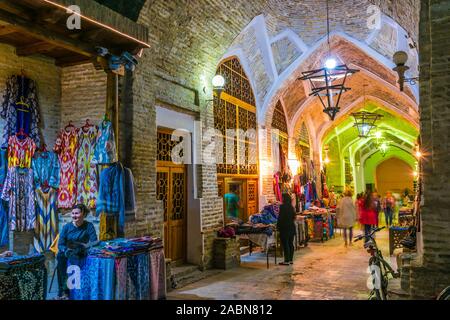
[{"x": 322, "y": 271}]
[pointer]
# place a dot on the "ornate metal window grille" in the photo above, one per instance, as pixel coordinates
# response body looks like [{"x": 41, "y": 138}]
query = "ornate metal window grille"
[
  {"x": 232, "y": 116},
  {"x": 166, "y": 145}
]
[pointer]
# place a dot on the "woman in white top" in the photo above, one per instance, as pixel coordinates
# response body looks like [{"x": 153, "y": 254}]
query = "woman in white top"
[{"x": 346, "y": 215}]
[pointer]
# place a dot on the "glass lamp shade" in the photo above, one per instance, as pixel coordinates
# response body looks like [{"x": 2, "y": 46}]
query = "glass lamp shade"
[
  {"x": 400, "y": 58},
  {"x": 365, "y": 122},
  {"x": 218, "y": 81}
]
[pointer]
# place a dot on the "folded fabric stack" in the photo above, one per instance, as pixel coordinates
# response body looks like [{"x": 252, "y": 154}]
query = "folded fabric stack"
[
  {"x": 250, "y": 229},
  {"x": 16, "y": 261},
  {"x": 269, "y": 215},
  {"x": 122, "y": 247}
]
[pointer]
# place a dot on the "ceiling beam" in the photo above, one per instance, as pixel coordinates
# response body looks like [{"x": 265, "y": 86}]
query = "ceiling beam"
[
  {"x": 39, "y": 32},
  {"x": 71, "y": 61},
  {"x": 5, "y": 30},
  {"x": 37, "y": 47},
  {"x": 15, "y": 8}
]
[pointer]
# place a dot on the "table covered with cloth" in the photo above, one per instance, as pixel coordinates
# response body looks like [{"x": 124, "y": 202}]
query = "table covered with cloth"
[
  {"x": 123, "y": 269},
  {"x": 23, "y": 277}
]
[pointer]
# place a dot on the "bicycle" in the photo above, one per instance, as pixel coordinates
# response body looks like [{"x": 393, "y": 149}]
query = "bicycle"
[{"x": 379, "y": 268}]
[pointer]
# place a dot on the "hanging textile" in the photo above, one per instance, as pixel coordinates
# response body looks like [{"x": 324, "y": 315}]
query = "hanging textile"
[
  {"x": 66, "y": 147},
  {"x": 19, "y": 191},
  {"x": 157, "y": 275},
  {"x": 105, "y": 147},
  {"x": 87, "y": 171},
  {"x": 46, "y": 169},
  {"x": 4, "y": 223},
  {"x": 46, "y": 228},
  {"x": 20, "y": 151},
  {"x": 130, "y": 200},
  {"x": 20, "y": 109},
  {"x": 111, "y": 195},
  {"x": 276, "y": 186}
]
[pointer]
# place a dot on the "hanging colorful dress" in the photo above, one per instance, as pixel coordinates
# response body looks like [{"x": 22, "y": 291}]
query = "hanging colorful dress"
[
  {"x": 20, "y": 151},
  {"x": 19, "y": 191},
  {"x": 66, "y": 147},
  {"x": 105, "y": 148},
  {"x": 46, "y": 169},
  {"x": 87, "y": 170},
  {"x": 46, "y": 228},
  {"x": 4, "y": 223},
  {"x": 20, "y": 109}
]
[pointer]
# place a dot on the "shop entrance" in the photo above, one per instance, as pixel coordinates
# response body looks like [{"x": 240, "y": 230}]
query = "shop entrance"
[
  {"x": 247, "y": 192},
  {"x": 171, "y": 190}
]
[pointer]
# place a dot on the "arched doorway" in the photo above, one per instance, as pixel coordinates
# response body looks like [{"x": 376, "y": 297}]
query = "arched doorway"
[
  {"x": 394, "y": 175},
  {"x": 235, "y": 122}
]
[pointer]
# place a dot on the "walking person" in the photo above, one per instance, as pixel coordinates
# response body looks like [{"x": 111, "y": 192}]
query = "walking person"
[
  {"x": 346, "y": 216},
  {"x": 232, "y": 203},
  {"x": 367, "y": 213},
  {"x": 286, "y": 227},
  {"x": 389, "y": 207}
]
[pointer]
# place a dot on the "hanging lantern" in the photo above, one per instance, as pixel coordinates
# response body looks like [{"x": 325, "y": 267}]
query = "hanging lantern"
[
  {"x": 383, "y": 148},
  {"x": 328, "y": 84},
  {"x": 365, "y": 122}
]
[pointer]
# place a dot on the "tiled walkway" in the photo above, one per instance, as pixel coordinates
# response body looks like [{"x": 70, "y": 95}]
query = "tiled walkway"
[{"x": 321, "y": 271}]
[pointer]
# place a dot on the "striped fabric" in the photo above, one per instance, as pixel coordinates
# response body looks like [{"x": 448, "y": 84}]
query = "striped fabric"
[{"x": 46, "y": 228}]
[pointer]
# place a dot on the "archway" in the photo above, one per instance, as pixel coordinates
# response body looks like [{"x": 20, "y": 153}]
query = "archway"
[{"x": 394, "y": 175}]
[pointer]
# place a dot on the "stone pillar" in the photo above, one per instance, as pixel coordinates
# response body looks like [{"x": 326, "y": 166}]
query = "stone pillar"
[{"x": 432, "y": 271}]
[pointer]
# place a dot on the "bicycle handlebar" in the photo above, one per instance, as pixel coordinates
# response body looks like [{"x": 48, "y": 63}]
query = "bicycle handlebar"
[{"x": 362, "y": 236}]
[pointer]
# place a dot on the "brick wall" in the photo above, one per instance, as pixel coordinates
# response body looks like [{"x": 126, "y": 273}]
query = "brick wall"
[
  {"x": 83, "y": 94},
  {"x": 47, "y": 77}
]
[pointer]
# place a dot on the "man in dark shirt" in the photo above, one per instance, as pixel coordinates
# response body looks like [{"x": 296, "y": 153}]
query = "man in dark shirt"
[{"x": 73, "y": 239}]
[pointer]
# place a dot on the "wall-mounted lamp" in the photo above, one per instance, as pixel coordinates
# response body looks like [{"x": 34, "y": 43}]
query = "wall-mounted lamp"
[
  {"x": 400, "y": 58},
  {"x": 218, "y": 83},
  {"x": 327, "y": 160}
]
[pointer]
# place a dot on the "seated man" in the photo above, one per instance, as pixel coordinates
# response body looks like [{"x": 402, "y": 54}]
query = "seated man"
[{"x": 72, "y": 244}]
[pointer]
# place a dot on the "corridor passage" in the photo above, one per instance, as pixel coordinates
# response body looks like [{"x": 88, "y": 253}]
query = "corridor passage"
[{"x": 321, "y": 271}]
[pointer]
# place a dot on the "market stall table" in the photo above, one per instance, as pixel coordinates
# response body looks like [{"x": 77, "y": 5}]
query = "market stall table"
[
  {"x": 123, "y": 270},
  {"x": 263, "y": 237},
  {"x": 23, "y": 277}
]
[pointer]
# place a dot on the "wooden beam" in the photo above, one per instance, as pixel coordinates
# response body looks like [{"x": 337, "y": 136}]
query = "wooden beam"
[
  {"x": 15, "y": 8},
  {"x": 50, "y": 15},
  {"x": 112, "y": 104},
  {"x": 72, "y": 61},
  {"x": 44, "y": 34},
  {"x": 33, "y": 48},
  {"x": 5, "y": 30}
]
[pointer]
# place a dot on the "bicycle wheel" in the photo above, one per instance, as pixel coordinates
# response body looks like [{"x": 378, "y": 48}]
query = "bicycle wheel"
[
  {"x": 444, "y": 295},
  {"x": 379, "y": 280}
]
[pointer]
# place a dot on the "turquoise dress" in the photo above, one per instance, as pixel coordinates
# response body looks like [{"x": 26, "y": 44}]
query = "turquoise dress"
[{"x": 105, "y": 147}]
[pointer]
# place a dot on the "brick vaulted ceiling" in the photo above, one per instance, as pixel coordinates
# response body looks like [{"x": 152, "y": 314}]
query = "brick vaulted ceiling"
[{"x": 277, "y": 39}]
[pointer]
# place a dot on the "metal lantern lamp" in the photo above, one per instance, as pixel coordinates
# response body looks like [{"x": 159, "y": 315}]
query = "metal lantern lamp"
[
  {"x": 365, "y": 122},
  {"x": 328, "y": 83}
]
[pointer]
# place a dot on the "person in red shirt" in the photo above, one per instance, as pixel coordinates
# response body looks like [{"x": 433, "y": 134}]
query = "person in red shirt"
[{"x": 367, "y": 212}]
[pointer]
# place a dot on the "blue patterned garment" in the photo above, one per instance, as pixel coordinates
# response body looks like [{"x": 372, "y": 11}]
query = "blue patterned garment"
[
  {"x": 105, "y": 147},
  {"x": 46, "y": 168},
  {"x": 97, "y": 280},
  {"x": 139, "y": 278},
  {"x": 111, "y": 193}
]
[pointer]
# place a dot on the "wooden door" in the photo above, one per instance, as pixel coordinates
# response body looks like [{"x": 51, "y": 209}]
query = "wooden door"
[
  {"x": 171, "y": 190},
  {"x": 252, "y": 197}
]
